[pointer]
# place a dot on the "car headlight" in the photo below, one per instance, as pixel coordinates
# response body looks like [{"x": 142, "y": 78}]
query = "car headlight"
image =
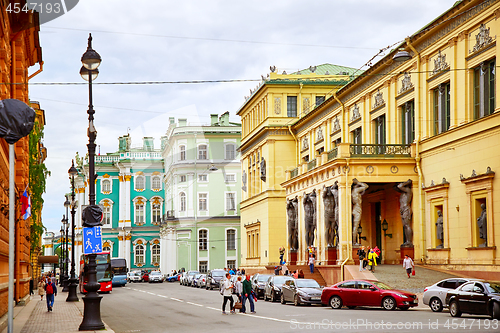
[
  {"x": 276, "y": 288},
  {"x": 401, "y": 295},
  {"x": 301, "y": 293}
]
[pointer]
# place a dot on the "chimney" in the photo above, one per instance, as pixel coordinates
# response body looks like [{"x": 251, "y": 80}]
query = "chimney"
[
  {"x": 182, "y": 122},
  {"x": 224, "y": 119},
  {"x": 213, "y": 119},
  {"x": 148, "y": 143},
  {"x": 124, "y": 143},
  {"x": 171, "y": 120}
]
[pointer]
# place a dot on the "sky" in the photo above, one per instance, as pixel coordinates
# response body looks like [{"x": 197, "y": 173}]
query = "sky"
[{"x": 191, "y": 40}]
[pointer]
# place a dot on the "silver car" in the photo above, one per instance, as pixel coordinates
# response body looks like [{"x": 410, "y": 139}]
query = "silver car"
[
  {"x": 155, "y": 277},
  {"x": 435, "y": 295}
]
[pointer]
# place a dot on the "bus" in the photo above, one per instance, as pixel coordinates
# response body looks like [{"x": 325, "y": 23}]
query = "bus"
[
  {"x": 104, "y": 273},
  {"x": 119, "y": 269}
]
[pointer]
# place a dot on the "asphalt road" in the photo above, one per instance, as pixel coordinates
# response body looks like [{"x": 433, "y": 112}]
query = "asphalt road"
[{"x": 169, "y": 307}]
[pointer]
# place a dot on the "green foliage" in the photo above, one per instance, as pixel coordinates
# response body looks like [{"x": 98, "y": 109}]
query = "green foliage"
[{"x": 37, "y": 183}]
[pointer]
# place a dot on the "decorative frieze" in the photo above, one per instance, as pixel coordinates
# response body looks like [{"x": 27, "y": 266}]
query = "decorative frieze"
[
  {"x": 355, "y": 113},
  {"x": 305, "y": 144},
  {"x": 277, "y": 105},
  {"x": 306, "y": 104},
  {"x": 482, "y": 38},
  {"x": 336, "y": 125},
  {"x": 379, "y": 99},
  {"x": 406, "y": 83},
  {"x": 440, "y": 63},
  {"x": 319, "y": 134}
]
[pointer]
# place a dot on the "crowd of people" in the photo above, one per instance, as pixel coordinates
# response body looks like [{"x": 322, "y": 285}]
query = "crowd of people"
[
  {"x": 47, "y": 286},
  {"x": 368, "y": 257},
  {"x": 243, "y": 290}
]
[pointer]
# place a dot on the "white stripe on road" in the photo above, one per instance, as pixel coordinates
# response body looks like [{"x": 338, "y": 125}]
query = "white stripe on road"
[
  {"x": 209, "y": 307},
  {"x": 194, "y": 304},
  {"x": 176, "y": 299}
]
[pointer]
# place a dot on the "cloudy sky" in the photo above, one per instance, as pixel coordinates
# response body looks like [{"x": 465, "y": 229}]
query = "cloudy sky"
[{"x": 190, "y": 40}]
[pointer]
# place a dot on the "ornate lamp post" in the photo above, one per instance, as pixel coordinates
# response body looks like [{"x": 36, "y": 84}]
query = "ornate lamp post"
[
  {"x": 73, "y": 281},
  {"x": 92, "y": 301},
  {"x": 66, "y": 256},
  {"x": 63, "y": 252}
]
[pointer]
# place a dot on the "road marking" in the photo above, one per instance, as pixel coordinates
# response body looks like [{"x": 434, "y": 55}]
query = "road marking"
[
  {"x": 176, "y": 299},
  {"x": 211, "y": 308},
  {"x": 194, "y": 304}
]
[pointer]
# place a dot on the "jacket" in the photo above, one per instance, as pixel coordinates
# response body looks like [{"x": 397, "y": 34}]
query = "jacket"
[
  {"x": 372, "y": 258},
  {"x": 247, "y": 287}
]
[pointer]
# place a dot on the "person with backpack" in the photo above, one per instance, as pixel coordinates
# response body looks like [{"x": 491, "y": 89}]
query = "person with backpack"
[
  {"x": 50, "y": 291},
  {"x": 247, "y": 294},
  {"x": 228, "y": 294}
]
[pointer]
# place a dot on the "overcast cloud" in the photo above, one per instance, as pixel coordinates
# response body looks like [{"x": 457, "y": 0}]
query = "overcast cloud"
[{"x": 192, "y": 40}]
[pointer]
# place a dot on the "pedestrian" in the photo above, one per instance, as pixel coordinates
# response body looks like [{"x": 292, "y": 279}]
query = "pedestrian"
[
  {"x": 282, "y": 254},
  {"x": 311, "y": 263},
  {"x": 408, "y": 265},
  {"x": 372, "y": 260},
  {"x": 284, "y": 268},
  {"x": 301, "y": 274},
  {"x": 361, "y": 256},
  {"x": 276, "y": 270},
  {"x": 377, "y": 251},
  {"x": 238, "y": 288},
  {"x": 51, "y": 292},
  {"x": 228, "y": 294},
  {"x": 247, "y": 294},
  {"x": 365, "y": 262},
  {"x": 243, "y": 271},
  {"x": 53, "y": 278},
  {"x": 41, "y": 288},
  {"x": 231, "y": 271},
  {"x": 295, "y": 274}
]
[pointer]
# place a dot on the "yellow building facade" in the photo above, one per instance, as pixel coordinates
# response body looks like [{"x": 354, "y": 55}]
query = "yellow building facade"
[{"x": 423, "y": 135}]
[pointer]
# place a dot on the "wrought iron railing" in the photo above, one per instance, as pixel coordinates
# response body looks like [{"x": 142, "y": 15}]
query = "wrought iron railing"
[
  {"x": 385, "y": 150},
  {"x": 294, "y": 173},
  {"x": 311, "y": 164},
  {"x": 332, "y": 154}
]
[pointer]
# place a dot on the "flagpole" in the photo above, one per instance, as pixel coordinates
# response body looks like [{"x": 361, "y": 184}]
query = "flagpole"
[{"x": 12, "y": 232}]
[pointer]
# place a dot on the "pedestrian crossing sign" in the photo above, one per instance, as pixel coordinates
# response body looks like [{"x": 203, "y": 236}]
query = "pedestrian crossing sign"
[{"x": 92, "y": 240}]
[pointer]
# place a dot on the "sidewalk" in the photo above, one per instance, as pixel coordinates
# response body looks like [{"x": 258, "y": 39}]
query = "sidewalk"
[{"x": 65, "y": 317}]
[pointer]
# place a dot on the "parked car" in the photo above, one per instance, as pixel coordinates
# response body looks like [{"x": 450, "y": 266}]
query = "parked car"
[
  {"x": 194, "y": 280},
  {"x": 155, "y": 276},
  {"x": 134, "y": 276},
  {"x": 119, "y": 280},
  {"x": 189, "y": 277},
  {"x": 214, "y": 277},
  {"x": 475, "y": 297},
  {"x": 259, "y": 283},
  {"x": 354, "y": 293},
  {"x": 173, "y": 278},
  {"x": 435, "y": 295},
  {"x": 145, "y": 277},
  {"x": 301, "y": 291},
  {"x": 272, "y": 290},
  {"x": 202, "y": 281}
]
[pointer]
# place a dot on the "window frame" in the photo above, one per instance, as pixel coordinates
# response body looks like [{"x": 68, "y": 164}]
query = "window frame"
[
  {"x": 142, "y": 178},
  {"x": 200, "y": 208},
  {"x": 203, "y": 240},
  {"x": 202, "y": 153},
  {"x": 182, "y": 202},
  {"x": 230, "y": 241},
  {"x": 484, "y": 103},
  {"x": 182, "y": 152},
  {"x": 231, "y": 152},
  {"x": 291, "y": 106},
  {"x": 156, "y": 179},
  {"x": 408, "y": 122},
  {"x": 441, "y": 108}
]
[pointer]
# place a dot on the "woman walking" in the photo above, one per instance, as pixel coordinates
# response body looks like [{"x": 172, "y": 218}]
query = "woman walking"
[
  {"x": 311, "y": 263},
  {"x": 41, "y": 288},
  {"x": 408, "y": 265}
]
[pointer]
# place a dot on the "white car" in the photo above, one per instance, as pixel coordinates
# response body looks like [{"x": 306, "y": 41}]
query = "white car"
[
  {"x": 435, "y": 295},
  {"x": 134, "y": 276},
  {"x": 155, "y": 276}
]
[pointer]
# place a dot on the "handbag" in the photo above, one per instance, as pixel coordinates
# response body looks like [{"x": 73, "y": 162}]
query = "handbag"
[
  {"x": 413, "y": 272},
  {"x": 237, "y": 305}
]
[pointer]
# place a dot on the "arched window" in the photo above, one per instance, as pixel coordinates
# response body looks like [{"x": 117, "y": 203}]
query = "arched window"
[
  {"x": 203, "y": 240},
  {"x": 106, "y": 248},
  {"x": 139, "y": 183},
  {"x": 182, "y": 202},
  {"x": 107, "y": 212},
  {"x": 182, "y": 153},
  {"x": 155, "y": 250},
  {"x": 139, "y": 254},
  {"x": 139, "y": 211},
  {"x": 106, "y": 186},
  {"x": 156, "y": 183},
  {"x": 230, "y": 152},
  {"x": 156, "y": 209}
]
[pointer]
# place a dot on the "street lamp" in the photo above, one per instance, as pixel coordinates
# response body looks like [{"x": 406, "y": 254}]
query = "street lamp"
[
  {"x": 92, "y": 301},
  {"x": 360, "y": 230},
  {"x": 63, "y": 253},
  {"x": 66, "y": 261},
  {"x": 385, "y": 226},
  {"x": 73, "y": 281}
]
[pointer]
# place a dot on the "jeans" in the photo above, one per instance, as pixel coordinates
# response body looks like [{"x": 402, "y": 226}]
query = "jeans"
[
  {"x": 50, "y": 300},
  {"x": 311, "y": 267},
  {"x": 243, "y": 302},
  {"x": 361, "y": 264},
  {"x": 230, "y": 299}
]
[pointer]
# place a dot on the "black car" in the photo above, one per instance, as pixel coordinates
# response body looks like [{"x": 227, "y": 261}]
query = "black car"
[
  {"x": 214, "y": 277},
  {"x": 259, "y": 284},
  {"x": 301, "y": 291},
  {"x": 475, "y": 297},
  {"x": 272, "y": 290}
]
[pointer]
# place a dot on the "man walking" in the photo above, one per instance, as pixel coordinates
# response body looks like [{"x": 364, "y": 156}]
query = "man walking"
[
  {"x": 361, "y": 256},
  {"x": 50, "y": 291},
  {"x": 247, "y": 294},
  {"x": 228, "y": 294}
]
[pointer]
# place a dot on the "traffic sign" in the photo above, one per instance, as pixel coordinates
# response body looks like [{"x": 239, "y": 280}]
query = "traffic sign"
[{"x": 92, "y": 240}]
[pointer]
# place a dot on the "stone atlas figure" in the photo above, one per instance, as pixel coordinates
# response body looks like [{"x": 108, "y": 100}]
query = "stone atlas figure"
[
  {"x": 330, "y": 201},
  {"x": 439, "y": 229},
  {"x": 293, "y": 230},
  {"x": 310, "y": 216},
  {"x": 358, "y": 189},
  {"x": 481, "y": 224},
  {"x": 405, "y": 210}
]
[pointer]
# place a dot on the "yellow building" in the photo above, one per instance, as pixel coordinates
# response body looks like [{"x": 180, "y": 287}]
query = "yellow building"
[
  {"x": 267, "y": 148},
  {"x": 427, "y": 112}
]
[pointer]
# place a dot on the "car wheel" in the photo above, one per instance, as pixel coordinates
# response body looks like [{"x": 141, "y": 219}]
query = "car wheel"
[
  {"x": 336, "y": 302},
  {"x": 296, "y": 301},
  {"x": 283, "y": 299},
  {"x": 436, "y": 305},
  {"x": 495, "y": 311},
  {"x": 454, "y": 310},
  {"x": 389, "y": 303}
]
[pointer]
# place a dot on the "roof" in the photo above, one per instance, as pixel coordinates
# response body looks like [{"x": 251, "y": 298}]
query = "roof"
[{"x": 331, "y": 70}]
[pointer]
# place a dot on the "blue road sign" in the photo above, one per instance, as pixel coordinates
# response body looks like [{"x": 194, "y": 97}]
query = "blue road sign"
[{"x": 92, "y": 240}]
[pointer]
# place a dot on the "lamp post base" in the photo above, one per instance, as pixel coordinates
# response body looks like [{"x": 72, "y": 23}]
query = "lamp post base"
[
  {"x": 72, "y": 297},
  {"x": 91, "y": 314},
  {"x": 65, "y": 284}
]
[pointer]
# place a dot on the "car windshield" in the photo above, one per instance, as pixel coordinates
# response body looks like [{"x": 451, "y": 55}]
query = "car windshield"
[
  {"x": 193, "y": 273},
  {"x": 381, "y": 285},
  {"x": 306, "y": 284},
  {"x": 263, "y": 278},
  {"x": 281, "y": 279},
  {"x": 492, "y": 287},
  {"x": 197, "y": 276},
  {"x": 136, "y": 273},
  {"x": 155, "y": 273},
  {"x": 218, "y": 273}
]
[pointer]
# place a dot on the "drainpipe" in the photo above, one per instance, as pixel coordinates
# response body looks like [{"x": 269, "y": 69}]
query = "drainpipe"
[
  {"x": 37, "y": 72},
  {"x": 349, "y": 237},
  {"x": 297, "y": 149}
]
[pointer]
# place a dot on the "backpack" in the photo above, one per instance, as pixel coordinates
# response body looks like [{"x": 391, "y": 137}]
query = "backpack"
[{"x": 49, "y": 289}]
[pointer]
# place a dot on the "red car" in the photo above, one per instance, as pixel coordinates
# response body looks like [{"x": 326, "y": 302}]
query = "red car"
[
  {"x": 145, "y": 277},
  {"x": 353, "y": 293}
]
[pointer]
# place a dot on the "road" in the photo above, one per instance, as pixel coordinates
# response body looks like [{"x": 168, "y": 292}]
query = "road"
[{"x": 169, "y": 307}]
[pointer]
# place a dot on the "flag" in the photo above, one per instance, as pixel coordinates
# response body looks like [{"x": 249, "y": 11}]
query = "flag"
[{"x": 26, "y": 204}]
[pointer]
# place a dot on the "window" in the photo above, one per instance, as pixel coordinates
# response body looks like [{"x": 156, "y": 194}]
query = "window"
[
  {"x": 230, "y": 178},
  {"x": 156, "y": 212},
  {"x": 230, "y": 201},
  {"x": 182, "y": 202},
  {"x": 320, "y": 151},
  {"x": 203, "y": 266},
  {"x": 139, "y": 183},
  {"x": 306, "y": 158},
  {"x": 106, "y": 248},
  {"x": 156, "y": 183},
  {"x": 106, "y": 212},
  {"x": 182, "y": 153},
  {"x": 231, "y": 264},
  {"x": 202, "y": 201},
  {"x": 408, "y": 122},
  {"x": 319, "y": 100},
  {"x": 442, "y": 108},
  {"x": 139, "y": 212},
  {"x": 203, "y": 240},
  {"x": 106, "y": 186},
  {"x": 467, "y": 287},
  {"x": 484, "y": 89},
  {"x": 182, "y": 179},
  {"x": 356, "y": 139},
  {"x": 155, "y": 250},
  {"x": 230, "y": 152},
  {"x": 202, "y": 152},
  {"x": 231, "y": 239},
  {"x": 349, "y": 284},
  {"x": 139, "y": 254},
  {"x": 291, "y": 106},
  {"x": 380, "y": 133},
  {"x": 203, "y": 178}
]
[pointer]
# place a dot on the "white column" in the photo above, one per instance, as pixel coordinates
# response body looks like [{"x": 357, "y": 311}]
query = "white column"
[{"x": 127, "y": 200}]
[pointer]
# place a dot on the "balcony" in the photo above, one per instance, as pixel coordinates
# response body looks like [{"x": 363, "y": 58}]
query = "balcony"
[
  {"x": 332, "y": 154},
  {"x": 294, "y": 173},
  {"x": 311, "y": 164},
  {"x": 388, "y": 150}
]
